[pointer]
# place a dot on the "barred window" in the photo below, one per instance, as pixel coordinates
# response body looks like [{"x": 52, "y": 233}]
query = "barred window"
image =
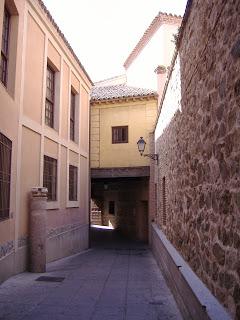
[
  {"x": 49, "y": 104},
  {"x": 120, "y": 134},
  {"x": 164, "y": 202},
  {"x": 5, "y": 176},
  {"x": 5, "y": 47},
  {"x": 73, "y": 182},
  {"x": 72, "y": 116},
  {"x": 50, "y": 177}
]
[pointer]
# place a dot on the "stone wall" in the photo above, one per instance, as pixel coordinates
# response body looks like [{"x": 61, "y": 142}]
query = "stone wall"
[{"x": 199, "y": 150}]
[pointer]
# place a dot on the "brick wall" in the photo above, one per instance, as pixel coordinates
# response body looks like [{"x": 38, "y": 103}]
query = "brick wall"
[{"x": 199, "y": 149}]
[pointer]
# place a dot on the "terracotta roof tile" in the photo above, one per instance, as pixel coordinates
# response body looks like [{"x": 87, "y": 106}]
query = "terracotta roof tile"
[{"x": 120, "y": 91}]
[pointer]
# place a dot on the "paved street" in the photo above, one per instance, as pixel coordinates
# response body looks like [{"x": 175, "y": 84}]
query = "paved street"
[{"x": 117, "y": 280}]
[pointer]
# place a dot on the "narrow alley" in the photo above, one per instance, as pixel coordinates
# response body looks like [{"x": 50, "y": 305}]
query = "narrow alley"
[{"x": 114, "y": 280}]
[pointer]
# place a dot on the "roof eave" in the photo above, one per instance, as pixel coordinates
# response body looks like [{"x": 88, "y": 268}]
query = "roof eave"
[
  {"x": 52, "y": 21},
  {"x": 124, "y": 99}
]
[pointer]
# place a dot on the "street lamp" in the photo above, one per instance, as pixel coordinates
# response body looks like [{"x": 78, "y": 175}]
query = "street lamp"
[{"x": 141, "y": 147}]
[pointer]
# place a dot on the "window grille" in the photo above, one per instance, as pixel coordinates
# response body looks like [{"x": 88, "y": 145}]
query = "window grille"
[
  {"x": 50, "y": 177},
  {"x": 73, "y": 182},
  {"x": 5, "y": 176}
]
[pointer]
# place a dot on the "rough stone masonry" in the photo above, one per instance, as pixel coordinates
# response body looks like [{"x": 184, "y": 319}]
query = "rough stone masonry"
[{"x": 199, "y": 151}]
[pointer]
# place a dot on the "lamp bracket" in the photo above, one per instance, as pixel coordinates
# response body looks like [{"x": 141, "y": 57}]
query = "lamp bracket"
[{"x": 152, "y": 156}]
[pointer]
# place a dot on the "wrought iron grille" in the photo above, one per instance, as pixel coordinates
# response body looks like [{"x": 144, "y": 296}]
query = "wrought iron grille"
[
  {"x": 5, "y": 176},
  {"x": 50, "y": 177}
]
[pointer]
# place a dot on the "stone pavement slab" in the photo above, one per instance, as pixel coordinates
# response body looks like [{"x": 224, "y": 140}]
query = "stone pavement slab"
[{"x": 104, "y": 283}]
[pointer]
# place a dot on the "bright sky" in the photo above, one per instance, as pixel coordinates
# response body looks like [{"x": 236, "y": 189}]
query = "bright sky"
[{"x": 103, "y": 32}]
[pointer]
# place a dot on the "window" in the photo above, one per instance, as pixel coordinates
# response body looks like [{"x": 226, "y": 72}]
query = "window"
[
  {"x": 5, "y": 47},
  {"x": 111, "y": 208},
  {"x": 72, "y": 116},
  {"x": 50, "y": 177},
  {"x": 5, "y": 176},
  {"x": 49, "y": 104},
  {"x": 164, "y": 202},
  {"x": 120, "y": 134},
  {"x": 73, "y": 182}
]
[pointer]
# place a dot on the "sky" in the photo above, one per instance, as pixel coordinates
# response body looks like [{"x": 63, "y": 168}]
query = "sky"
[{"x": 103, "y": 33}]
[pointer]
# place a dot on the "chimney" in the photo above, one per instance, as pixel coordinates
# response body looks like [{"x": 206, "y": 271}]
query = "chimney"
[{"x": 161, "y": 72}]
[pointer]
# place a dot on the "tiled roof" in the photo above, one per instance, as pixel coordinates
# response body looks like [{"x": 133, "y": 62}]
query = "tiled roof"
[
  {"x": 120, "y": 91},
  {"x": 49, "y": 16},
  {"x": 160, "y": 19}
]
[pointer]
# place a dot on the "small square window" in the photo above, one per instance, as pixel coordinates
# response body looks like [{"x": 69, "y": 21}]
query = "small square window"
[{"x": 120, "y": 134}]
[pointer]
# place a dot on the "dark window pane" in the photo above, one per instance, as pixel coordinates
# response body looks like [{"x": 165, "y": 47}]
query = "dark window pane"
[
  {"x": 111, "y": 207},
  {"x": 5, "y": 176},
  {"x": 73, "y": 182},
  {"x": 50, "y": 177},
  {"x": 120, "y": 134}
]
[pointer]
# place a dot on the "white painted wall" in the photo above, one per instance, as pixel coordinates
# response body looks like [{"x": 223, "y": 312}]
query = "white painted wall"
[
  {"x": 172, "y": 100},
  {"x": 158, "y": 51}
]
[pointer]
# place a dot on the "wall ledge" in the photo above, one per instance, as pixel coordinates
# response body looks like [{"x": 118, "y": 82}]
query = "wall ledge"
[{"x": 209, "y": 307}]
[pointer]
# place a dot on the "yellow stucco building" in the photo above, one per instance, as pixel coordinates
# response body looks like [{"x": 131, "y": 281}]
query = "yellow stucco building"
[
  {"x": 120, "y": 115},
  {"x": 44, "y": 134}
]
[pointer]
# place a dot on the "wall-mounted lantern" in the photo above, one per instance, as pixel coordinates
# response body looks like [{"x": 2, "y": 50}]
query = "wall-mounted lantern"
[{"x": 141, "y": 147}]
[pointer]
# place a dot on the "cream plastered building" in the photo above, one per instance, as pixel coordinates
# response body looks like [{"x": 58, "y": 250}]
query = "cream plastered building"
[
  {"x": 44, "y": 134},
  {"x": 120, "y": 115}
]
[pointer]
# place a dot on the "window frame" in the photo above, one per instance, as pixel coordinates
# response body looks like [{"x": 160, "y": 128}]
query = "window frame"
[
  {"x": 48, "y": 175},
  {"x": 50, "y": 99},
  {"x": 5, "y": 176},
  {"x": 72, "y": 183},
  {"x": 116, "y": 134},
  {"x": 5, "y": 46},
  {"x": 72, "y": 118}
]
